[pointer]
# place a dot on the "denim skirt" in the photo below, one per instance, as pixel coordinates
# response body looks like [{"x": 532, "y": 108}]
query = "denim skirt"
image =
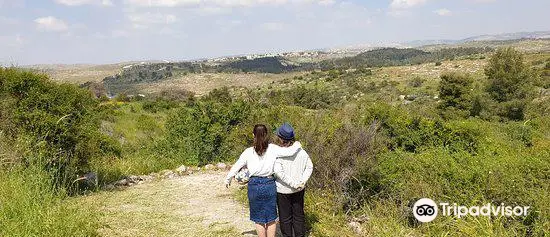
[{"x": 262, "y": 199}]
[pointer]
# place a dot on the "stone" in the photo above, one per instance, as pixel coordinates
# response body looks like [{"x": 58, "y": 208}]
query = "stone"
[
  {"x": 109, "y": 187},
  {"x": 356, "y": 227},
  {"x": 122, "y": 182},
  {"x": 147, "y": 178},
  {"x": 181, "y": 170},
  {"x": 169, "y": 174},
  {"x": 221, "y": 166},
  {"x": 411, "y": 97},
  {"x": 209, "y": 167},
  {"x": 132, "y": 179}
]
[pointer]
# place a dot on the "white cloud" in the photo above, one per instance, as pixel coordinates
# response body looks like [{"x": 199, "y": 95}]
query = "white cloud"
[
  {"x": 84, "y": 2},
  {"x": 403, "y": 4},
  {"x": 51, "y": 23},
  {"x": 443, "y": 12}
]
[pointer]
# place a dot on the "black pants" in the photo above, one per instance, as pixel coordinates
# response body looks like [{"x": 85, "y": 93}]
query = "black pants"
[{"x": 291, "y": 214}]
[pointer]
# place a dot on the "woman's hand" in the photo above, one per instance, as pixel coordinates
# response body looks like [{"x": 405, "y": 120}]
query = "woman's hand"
[{"x": 227, "y": 183}]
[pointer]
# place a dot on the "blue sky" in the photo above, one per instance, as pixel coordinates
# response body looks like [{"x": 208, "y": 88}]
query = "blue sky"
[{"x": 108, "y": 31}]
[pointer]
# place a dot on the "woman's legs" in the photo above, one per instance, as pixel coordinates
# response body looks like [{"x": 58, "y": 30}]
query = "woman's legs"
[
  {"x": 261, "y": 230},
  {"x": 271, "y": 229}
]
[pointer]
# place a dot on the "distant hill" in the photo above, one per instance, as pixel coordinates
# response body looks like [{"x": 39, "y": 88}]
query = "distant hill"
[
  {"x": 495, "y": 37},
  {"x": 264, "y": 65},
  {"x": 524, "y": 45},
  {"x": 400, "y": 56},
  {"x": 133, "y": 75}
]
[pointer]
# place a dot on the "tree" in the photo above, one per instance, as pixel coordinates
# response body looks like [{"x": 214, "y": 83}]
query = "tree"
[
  {"x": 455, "y": 93},
  {"x": 509, "y": 83},
  {"x": 508, "y": 76}
]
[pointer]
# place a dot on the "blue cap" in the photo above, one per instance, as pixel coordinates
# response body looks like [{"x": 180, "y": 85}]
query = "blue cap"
[{"x": 286, "y": 132}]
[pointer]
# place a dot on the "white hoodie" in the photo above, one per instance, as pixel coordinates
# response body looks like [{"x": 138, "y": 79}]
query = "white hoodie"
[
  {"x": 261, "y": 166},
  {"x": 290, "y": 171}
]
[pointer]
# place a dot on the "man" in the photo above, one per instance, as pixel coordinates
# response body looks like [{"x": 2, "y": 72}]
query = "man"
[{"x": 292, "y": 174}]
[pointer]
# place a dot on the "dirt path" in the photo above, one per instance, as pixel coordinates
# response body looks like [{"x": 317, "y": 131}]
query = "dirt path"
[{"x": 194, "y": 205}]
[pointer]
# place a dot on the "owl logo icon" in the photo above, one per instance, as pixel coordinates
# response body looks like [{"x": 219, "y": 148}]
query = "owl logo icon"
[{"x": 425, "y": 210}]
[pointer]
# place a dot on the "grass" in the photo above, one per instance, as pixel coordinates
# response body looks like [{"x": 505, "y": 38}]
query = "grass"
[
  {"x": 138, "y": 131},
  {"x": 322, "y": 216},
  {"x": 30, "y": 207},
  {"x": 79, "y": 73}
]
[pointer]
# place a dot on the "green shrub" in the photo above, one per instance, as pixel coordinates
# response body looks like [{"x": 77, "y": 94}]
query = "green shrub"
[
  {"x": 416, "y": 82},
  {"x": 455, "y": 93},
  {"x": 510, "y": 82},
  {"x": 414, "y": 133},
  {"x": 155, "y": 106},
  {"x": 58, "y": 121},
  {"x": 122, "y": 97},
  {"x": 198, "y": 133},
  {"x": 307, "y": 97}
]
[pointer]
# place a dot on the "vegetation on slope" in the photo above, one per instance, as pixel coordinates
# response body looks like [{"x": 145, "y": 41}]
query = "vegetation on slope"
[
  {"x": 374, "y": 152},
  {"x": 397, "y": 57},
  {"x": 48, "y": 134}
]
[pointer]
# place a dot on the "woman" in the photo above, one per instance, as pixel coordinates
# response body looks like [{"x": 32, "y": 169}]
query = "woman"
[{"x": 262, "y": 191}]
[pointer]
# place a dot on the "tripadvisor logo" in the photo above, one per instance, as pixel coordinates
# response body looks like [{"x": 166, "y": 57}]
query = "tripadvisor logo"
[{"x": 426, "y": 210}]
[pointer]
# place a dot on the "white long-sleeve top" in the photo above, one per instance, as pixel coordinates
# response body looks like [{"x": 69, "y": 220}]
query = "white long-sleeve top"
[
  {"x": 261, "y": 166},
  {"x": 291, "y": 171}
]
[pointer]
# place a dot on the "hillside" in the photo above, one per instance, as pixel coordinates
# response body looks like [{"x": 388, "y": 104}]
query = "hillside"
[
  {"x": 536, "y": 35},
  {"x": 525, "y": 45},
  {"x": 381, "y": 138}
]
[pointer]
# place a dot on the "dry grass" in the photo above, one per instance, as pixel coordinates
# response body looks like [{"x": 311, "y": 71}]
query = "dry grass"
[
  {"x": 79, "y": 73},
  {"x": 430, "y": 71},
  {"x": 202, "y": 83}
]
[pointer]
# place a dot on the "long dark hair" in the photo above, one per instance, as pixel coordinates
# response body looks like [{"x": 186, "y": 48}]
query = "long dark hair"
[{"x": 261, "y": 139}]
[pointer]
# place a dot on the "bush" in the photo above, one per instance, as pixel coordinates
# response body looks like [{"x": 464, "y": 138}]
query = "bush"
[
  {"x": 455, "y": 93},
  {"x": 307, "y": 97},
  {"x": 508, "y": 76},
  {"x": 155, "y": 106},
  {"x": 57, "y": 121},
  {"x": 416, "y": 82},
  {"x": 198, "y": 133},
  {"x": 122, "y": 97}
]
